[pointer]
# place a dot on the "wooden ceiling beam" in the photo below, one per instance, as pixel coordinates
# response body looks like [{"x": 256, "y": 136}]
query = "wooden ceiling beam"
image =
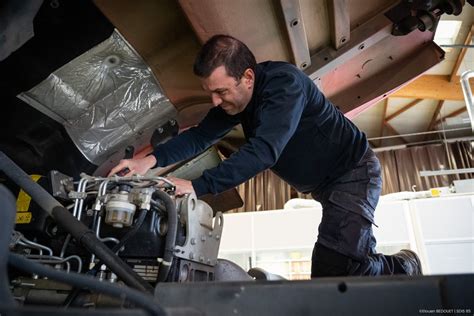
[
  {"x": 452, "y": 114},
  {"x": 372, "y": 144},
  {"x": 403, "y": 109},
  {"x": 437, "y": 87},
  {"x": 435, "y": 115},
  {"x": 394, "y": 131},
  {"x": 461, "y": 55}
]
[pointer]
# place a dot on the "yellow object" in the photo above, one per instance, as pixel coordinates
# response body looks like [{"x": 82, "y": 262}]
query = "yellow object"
[
  {"x": 435, "y": 192},
  {"x": 23, "y": 218},
  {"x": 23, "y": 203}
]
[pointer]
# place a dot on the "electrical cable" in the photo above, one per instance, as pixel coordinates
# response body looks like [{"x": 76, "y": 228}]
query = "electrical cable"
[
  {"x": 131, "y": 232},
  {"x": 125, "y": 238},
  {"x": 84, "y": 281},
  {"x": 67, "y": 221},
  {"x": 140, "y": 220}
]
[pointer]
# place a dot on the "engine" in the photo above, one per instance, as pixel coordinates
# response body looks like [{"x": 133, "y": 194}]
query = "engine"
[{"x": 161, "y": 237}]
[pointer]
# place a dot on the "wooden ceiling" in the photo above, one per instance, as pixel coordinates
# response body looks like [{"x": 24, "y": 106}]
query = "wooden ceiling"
[{"x": 424, "y": 104}]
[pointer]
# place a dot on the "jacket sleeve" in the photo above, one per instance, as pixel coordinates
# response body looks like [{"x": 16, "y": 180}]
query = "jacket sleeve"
[
  {"x": 195, "y": 140},
  {"x": 279, "y": 112}
]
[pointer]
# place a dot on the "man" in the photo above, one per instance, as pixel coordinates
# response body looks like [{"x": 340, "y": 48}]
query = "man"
[{"x": 291, "y": 128}]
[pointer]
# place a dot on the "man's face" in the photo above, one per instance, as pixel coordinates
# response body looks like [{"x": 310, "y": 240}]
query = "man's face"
[{"x": 230, "y": 94}]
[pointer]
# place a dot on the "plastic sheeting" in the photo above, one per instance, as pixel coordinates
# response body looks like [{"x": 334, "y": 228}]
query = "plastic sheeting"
[{"x": 107, "y": 99}]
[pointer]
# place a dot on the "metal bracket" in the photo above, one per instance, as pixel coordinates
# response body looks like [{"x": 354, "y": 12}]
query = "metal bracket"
[
  {"x": 296, "y": 32},
  {"x": 203, "y": 236},
  {"x": 61, "y": 184}
]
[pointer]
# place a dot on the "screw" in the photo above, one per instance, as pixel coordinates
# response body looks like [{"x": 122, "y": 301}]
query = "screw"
[
  {"x": 218, "y": 237},
  {"x": 160, "y": 130}
]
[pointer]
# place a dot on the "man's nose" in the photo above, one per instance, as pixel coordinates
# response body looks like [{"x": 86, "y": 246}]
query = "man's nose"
[{"x": 216, "y": 100}]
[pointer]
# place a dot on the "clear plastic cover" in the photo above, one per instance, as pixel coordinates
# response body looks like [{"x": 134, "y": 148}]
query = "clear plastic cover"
[{"x": 107, "y": 99}]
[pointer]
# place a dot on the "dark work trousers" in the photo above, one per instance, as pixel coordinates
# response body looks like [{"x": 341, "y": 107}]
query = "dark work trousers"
[{"x": 346, "y": 244}]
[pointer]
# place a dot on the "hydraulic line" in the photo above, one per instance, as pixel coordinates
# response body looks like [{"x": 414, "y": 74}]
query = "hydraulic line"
[
  {"x": 84, "y": 281},
  {"x": 66, "y": 220}
]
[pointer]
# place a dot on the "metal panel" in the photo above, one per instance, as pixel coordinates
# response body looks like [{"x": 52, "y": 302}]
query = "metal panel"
[
  {"x": 296, "y": 32},
  {"x": 396, "y": 295}
]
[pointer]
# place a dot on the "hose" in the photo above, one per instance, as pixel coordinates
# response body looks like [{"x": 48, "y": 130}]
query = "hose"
[
  {"x": 170, "y": 236},
  {"x": 7, "y": 219},
  {"x": 141, "y": 219},
  {"x": 66, "y": 220},
  {"x": 125, "y": 238},
  {"x": 89, "y": 240},
  {"x": 131, "y": 232},
  {"x": 45, "y": 200},
  {"x": 144, "y": 300}
]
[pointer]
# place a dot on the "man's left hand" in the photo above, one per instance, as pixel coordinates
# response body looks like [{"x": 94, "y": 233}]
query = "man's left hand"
[{"x": 182, "y": 186}]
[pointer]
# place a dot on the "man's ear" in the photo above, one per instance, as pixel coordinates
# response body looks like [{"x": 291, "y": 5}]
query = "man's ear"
[{"x": 249, "y": 76}]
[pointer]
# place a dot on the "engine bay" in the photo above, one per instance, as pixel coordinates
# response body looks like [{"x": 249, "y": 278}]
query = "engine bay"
[{"x": 120, "y": 231}]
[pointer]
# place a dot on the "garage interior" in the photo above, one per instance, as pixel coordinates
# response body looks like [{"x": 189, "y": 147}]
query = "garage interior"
[{"x": 87, "y": 83}]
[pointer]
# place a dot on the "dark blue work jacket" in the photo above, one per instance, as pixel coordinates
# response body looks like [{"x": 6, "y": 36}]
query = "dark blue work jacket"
[{"x": 290, "y": 127}]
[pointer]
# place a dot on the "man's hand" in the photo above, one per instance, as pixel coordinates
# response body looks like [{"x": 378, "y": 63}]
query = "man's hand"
[
  {"x": 182, "y": 186},
  {"x": 136, "y": 166}
]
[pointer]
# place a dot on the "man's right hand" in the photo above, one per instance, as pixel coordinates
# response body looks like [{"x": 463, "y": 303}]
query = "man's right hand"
[{"x": 135, "y": 166}]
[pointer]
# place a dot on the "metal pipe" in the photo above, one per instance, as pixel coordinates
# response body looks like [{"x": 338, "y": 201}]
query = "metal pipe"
[
  {"x": 7, "y": 219},
  {"x": 134, "y": 178},
  {"x": 76, "y": 201},
  {"x": 466, "y": 89},
  {"x": 83, "y": 281},
  {"x": 66, "y": 242},
  {"x": 36, "y": 245},
  {"x": 82, "y": 189},
  {"x": 45, "y": 200},
  {"x": 420, "y": 133},
  {"x": 56, "y": 260},
  {"x": 68, "y": 222}
]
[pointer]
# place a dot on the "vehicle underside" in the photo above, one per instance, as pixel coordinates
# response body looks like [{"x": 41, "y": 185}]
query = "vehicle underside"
[{"x": 76, "y": 242}]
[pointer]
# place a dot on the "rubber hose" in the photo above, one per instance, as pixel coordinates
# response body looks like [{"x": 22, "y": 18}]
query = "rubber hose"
[
  {"x": 88, "y": 239},
  {"x": 144, "y": 300},
  {"x": 170, "y": 236},
  {"x": 7, "y": 219},
  {"x": 128, "y": 235},
  {"x": 77, "y": 229},
  {"x": 45, "y": 200}
]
